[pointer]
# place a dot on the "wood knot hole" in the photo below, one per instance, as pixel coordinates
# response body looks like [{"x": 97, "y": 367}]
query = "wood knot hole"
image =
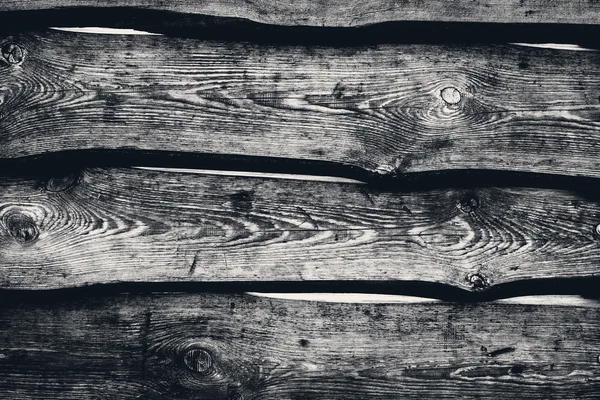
[
  {"x": 62, "y": 183},
  {"x": 13, "y": 53},
  {"x": 198, "y": 360},
  {"x": 478, "y": 282},
  {"x": 22, "y": 228},
  {"x": 451, "y": 95},
  {"x": 468, "y": 204}
]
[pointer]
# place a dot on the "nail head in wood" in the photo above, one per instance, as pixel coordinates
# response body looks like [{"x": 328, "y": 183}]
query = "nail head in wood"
[
  {"x": 468, "y": 204},
  {"x": 198, "y": 360},
  {"x": 13, "y": 53},
  {"x": 451, "y": 95},
  {"x": 516, "y": 369},
  {"x": 22, "y": 228},
  {"x": 478, "y": 282}
]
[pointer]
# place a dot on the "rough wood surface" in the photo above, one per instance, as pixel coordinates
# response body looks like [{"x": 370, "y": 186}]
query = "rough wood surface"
[
  {"x": 352, "y": 13},
  {"x": 114, "y": 225},
  {"x": 239, "y": 347},
  {"x": 386, "y": 109}
]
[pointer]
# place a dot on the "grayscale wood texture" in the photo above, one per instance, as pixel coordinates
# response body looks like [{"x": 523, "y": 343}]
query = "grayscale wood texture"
[
  {"x": 132, "y": 225},
  {"x": 387, "y": 109},
  {"x": 213, "y": 347},
  {"x": 352, "y": 13}
]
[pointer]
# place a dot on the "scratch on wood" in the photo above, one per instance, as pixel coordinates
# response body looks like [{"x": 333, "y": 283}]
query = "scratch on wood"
[
  {"x": 308, "y": 219},
  {"x": 145, "y": 345},
  {"x": 368, "y": 196},
  {"x": 225, "y": 258},
  {"x": 193, "y": 266}
]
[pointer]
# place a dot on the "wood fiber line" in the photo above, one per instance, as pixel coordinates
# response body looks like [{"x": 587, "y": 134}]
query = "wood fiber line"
[
  {"x": 351, "y": 13},
  {"x": 128, "y": 225},
  {"x": 387, "y": 109},
  {"x": 206, "y": 346}
]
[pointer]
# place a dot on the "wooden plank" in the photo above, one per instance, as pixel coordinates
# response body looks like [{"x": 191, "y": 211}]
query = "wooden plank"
[
  {"x": 239, "y": 347},
  {"x": 116, "y": 225},
  {"x": 387, "y": 109},
  {"x": 351, "y": 13}
]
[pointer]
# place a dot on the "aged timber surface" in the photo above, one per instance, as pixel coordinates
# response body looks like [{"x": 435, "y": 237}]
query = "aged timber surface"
[
  {"x": 386, "y": 109},
  {"x": 114, "y": 225},
  {"x": 352, "y": 13},
  {"x": 205, "y": 346}
]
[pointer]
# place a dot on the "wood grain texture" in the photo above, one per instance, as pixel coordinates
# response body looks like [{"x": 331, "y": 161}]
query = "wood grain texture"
[
  {"x": 351, "y": 13},
  {"x": 128, "y": 225},
  {"x": 386, "y": 109},
  {"x": 239, "y": 347}
]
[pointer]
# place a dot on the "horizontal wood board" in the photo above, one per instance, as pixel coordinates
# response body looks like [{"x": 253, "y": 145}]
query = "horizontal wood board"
[
  {"x": 386, "y": 109},
  {"x": 351, "y": 13},
  {"x": 206, "y": 346},
  {"x": 133, "y": 225}
]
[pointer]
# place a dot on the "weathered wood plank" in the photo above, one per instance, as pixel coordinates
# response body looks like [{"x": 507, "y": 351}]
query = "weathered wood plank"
[
  {"x": 351, "y": 13},
  {"x": 115, "y": 225},
  {"x": 387, "y": 109},
  {"x": 241, "y": 347}
]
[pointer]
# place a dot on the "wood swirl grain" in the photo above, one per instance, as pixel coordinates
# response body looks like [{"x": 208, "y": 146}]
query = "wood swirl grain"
[
  {"x": 380, "y": 108},
  {"x": 130, "y": 225},
  {"x": 353, "y": 13},
  {"x": 207, "y": 346}
]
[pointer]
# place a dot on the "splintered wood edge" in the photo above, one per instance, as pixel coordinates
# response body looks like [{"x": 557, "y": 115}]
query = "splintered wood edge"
[
  {"x": 223, "y": 346},
  {"x": 550, "y": 300}
]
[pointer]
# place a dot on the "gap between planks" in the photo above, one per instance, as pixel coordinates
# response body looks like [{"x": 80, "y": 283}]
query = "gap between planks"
[{"x": 120, "y": 31}]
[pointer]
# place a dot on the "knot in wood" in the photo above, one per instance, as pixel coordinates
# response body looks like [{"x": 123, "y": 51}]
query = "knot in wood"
[
  {"x": 468, "y": 204},
  {"x": 478, "y": 282},
  {"x": 13, "y": 53},
  {"x": 21, "y": 227},
  {"x": 61, "y": 183},
  {"x": 597, "y": 229},
  {"x": 451, "y": 95},
  {"x": 198, "y": 360}
]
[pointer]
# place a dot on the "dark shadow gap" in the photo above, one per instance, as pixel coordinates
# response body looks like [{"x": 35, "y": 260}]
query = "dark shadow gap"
[
  {"x": 66, "y": 162},
  {"x": 584, "y": 287},
  {"x": 243, "y": 30}
]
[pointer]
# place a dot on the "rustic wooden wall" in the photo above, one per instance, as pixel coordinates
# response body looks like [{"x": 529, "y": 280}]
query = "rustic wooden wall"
[
  {"x": 463, "y": 173},
  {"x": 208, "y": 346}
]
